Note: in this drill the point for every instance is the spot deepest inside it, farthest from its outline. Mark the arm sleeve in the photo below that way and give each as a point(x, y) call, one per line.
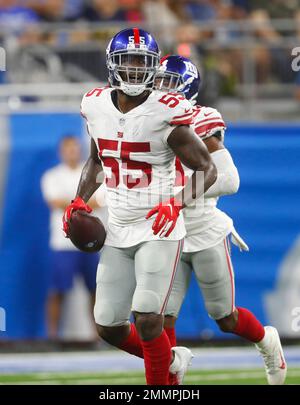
point(228, 180)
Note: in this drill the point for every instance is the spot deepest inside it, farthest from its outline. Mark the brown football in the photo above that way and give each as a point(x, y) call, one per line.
point(86, 232)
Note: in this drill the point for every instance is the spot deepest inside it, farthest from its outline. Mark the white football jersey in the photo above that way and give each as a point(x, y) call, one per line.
point(137, 161)
point(206, 225)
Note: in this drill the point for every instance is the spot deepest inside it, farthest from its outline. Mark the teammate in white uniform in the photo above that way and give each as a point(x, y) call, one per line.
point(136, 133)
point(206, 247)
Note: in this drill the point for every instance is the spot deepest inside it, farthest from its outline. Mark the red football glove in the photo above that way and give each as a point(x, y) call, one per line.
point(167, 214)
point(77, 204)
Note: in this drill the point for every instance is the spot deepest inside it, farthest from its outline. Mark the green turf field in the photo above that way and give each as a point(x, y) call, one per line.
point(194, 377)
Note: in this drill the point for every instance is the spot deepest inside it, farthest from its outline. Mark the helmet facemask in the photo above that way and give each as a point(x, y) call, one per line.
point(167, 81)
point(132, 71)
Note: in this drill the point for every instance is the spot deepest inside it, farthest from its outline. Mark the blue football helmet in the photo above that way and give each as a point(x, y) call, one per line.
point(132, 59)
point(178, 74)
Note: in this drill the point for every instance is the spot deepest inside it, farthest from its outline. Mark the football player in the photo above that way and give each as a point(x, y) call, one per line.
point(206, 246)
point(135, 135)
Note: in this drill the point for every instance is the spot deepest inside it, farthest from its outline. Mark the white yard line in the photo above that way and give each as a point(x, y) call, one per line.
point(114, 361)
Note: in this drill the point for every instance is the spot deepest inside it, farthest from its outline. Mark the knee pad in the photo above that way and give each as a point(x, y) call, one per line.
point(106, 315)
point(146, 301)
point(217, 310)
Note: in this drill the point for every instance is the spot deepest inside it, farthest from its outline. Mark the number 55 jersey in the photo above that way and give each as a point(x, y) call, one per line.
point(139, 165)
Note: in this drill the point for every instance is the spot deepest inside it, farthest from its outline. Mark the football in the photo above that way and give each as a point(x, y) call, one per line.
point(86, 232)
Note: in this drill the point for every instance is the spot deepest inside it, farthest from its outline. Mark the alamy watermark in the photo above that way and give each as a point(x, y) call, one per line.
point(296, 319)
point(139, 186)
point(2, 60)
point(2, 320)
point(296, 60)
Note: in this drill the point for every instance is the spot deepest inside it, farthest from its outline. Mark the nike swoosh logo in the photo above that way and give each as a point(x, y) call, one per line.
point(207, 114)
point(187, 110)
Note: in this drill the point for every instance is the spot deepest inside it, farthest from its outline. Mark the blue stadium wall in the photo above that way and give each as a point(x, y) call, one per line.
point(266, 213)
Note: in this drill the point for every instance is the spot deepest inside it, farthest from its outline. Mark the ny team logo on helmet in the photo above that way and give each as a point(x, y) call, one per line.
point(178, 74)
point(132, 59)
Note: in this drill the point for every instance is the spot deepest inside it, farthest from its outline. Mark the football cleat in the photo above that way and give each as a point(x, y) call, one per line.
point(272, 354)
point(183, 359)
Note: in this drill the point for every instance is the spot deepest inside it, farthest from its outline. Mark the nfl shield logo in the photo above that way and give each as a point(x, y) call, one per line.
point(120, 134)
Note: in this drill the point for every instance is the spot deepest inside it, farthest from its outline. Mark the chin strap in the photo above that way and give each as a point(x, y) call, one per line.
point(132, 89)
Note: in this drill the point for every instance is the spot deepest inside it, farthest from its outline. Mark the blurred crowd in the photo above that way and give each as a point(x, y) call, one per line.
point(138, 11)
point(206, 30)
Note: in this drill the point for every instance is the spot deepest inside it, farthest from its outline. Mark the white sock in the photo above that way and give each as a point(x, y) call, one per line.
point(265, 341)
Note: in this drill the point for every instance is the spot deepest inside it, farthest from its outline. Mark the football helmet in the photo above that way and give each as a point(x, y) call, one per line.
point(178, 74)
point(132, 59)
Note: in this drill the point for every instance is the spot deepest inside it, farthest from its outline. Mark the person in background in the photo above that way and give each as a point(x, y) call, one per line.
point(16, 16)
point(132, 10)
point(58, 185)
point(104, 11)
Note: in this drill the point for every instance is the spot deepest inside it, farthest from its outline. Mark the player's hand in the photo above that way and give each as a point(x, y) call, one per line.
point(77, 204)
point(167, 214)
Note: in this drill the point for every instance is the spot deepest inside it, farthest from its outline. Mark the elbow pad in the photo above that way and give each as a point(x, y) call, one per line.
point(228, 180)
